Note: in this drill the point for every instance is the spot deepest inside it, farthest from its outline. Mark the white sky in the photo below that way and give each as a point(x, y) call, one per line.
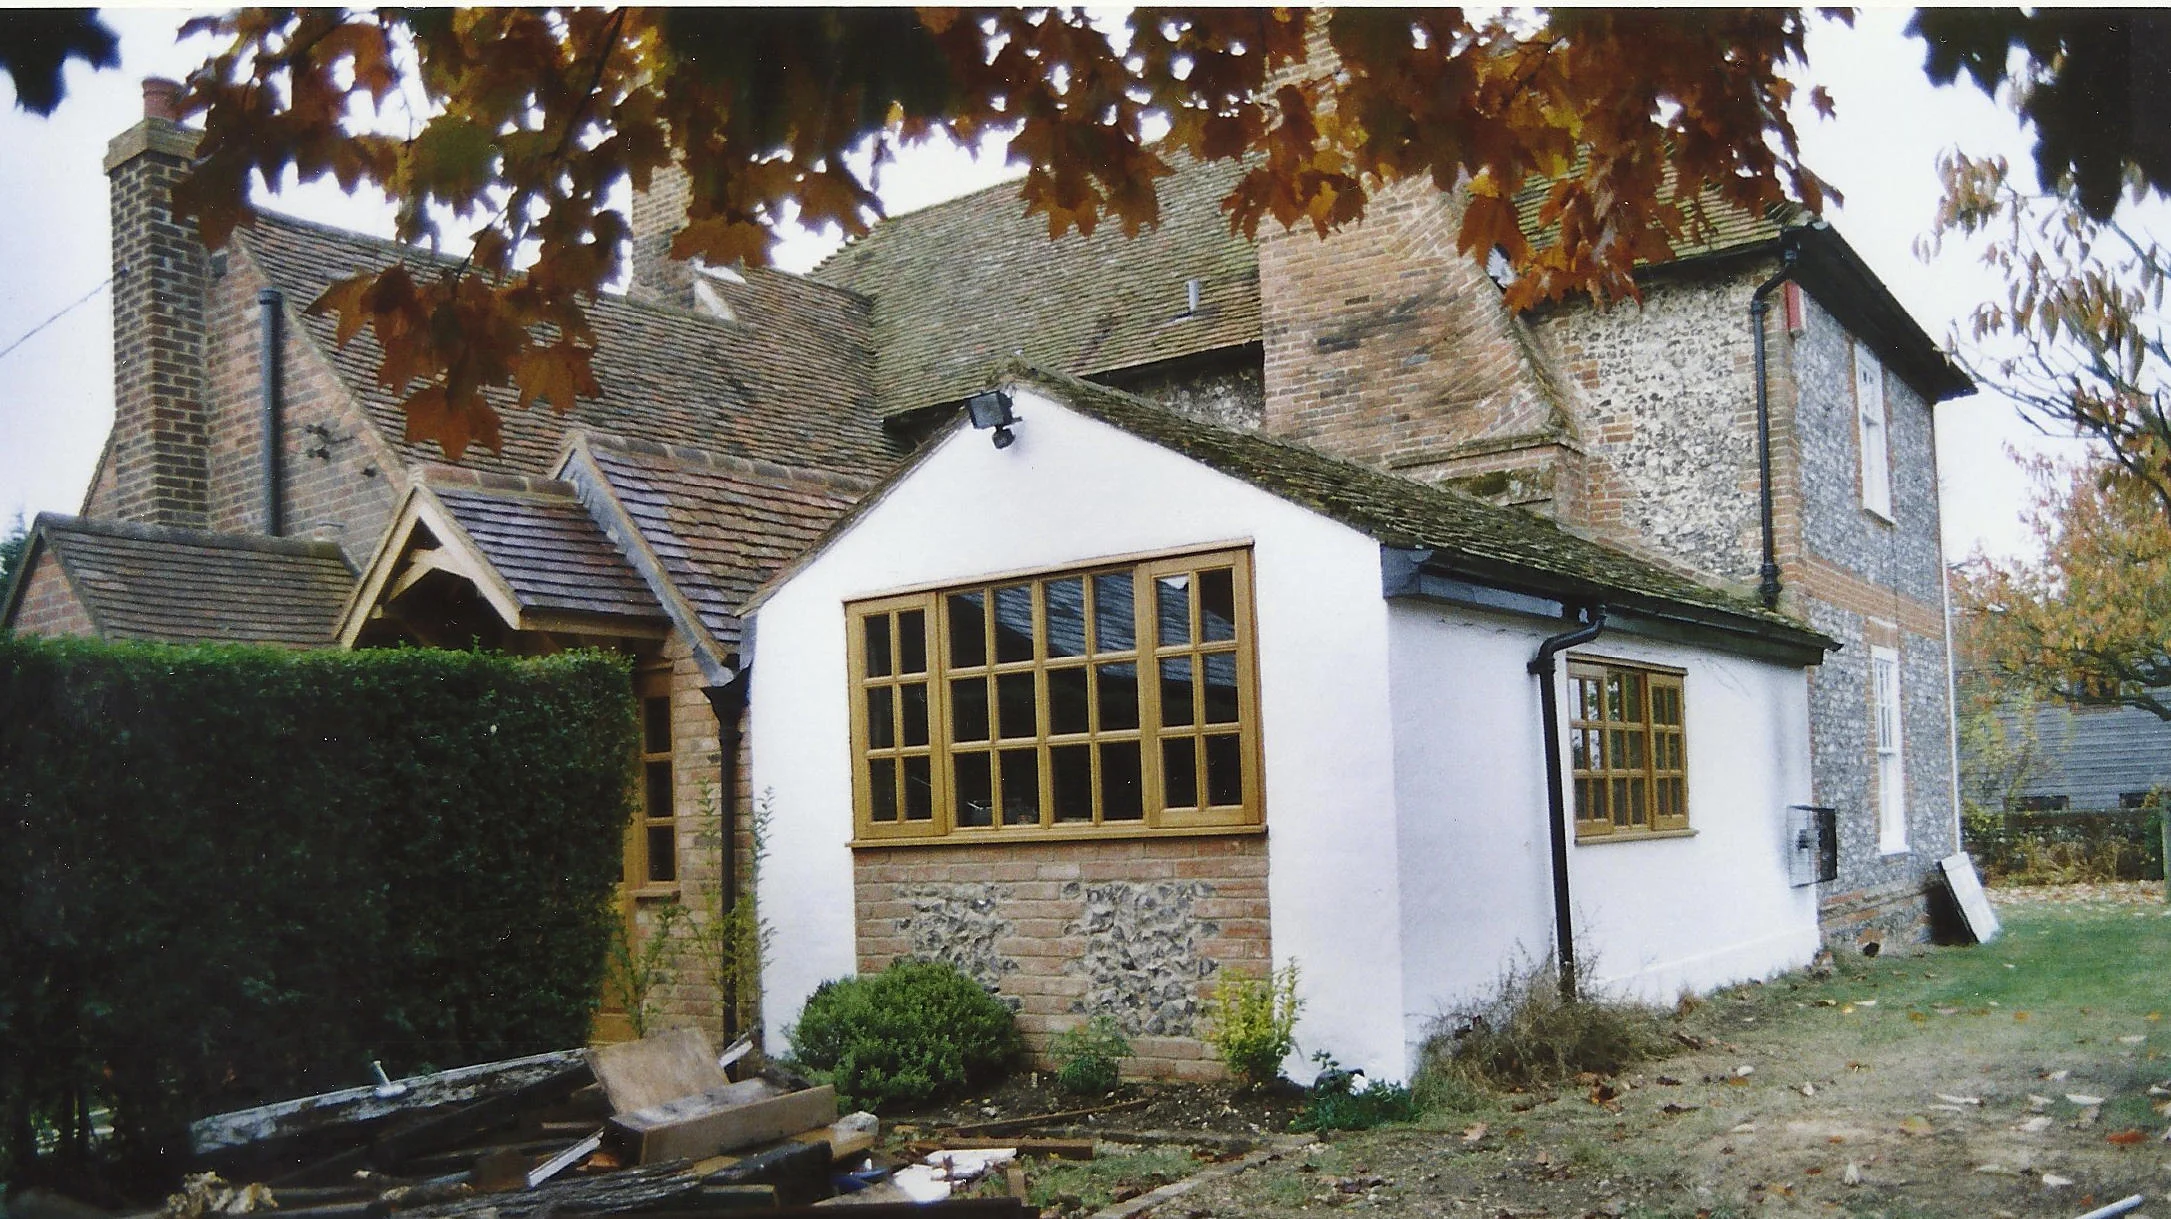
point(56, 398)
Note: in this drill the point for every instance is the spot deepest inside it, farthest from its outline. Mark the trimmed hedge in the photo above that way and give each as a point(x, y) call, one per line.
point(916, 1031)
point(2078, 844)
point(236, 874)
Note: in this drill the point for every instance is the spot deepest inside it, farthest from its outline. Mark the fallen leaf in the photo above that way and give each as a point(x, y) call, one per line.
point(1809, 1089)
point(1671, 1107)
point(2082, 1098)
point(1995, 1170)
point(1918, 1017)
point(2127, 1138)
point(1852, 1175)
point(2088, 1116)
point(1744, 1071)
point(1472, 1134)
point(2133, 1039)
point(1865, 1003)
point(1669, 1081)
point(1744, 1128)
point(1946, 1011)
point(2018, 1017)
point(1847, 1010)
point(1916, 1126)
point(2034, 1125)
point(2053, 1076)
point(2052, 1180)
point(1959, 1100)
point(2038, 1102)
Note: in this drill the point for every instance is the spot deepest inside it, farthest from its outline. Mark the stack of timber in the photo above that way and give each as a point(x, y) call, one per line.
point(656, 1127)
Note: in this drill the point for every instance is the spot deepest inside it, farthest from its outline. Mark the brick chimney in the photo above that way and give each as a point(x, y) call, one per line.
point(658, 214)
point(160, 453)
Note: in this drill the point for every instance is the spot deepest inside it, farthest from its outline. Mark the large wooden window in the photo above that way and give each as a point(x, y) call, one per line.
point(1111, 700)
point(1627, 745)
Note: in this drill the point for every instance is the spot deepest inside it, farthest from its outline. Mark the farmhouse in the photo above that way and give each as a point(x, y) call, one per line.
point(1312, 606)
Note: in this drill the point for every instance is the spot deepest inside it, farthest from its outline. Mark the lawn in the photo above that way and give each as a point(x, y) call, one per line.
point(2009, 1079)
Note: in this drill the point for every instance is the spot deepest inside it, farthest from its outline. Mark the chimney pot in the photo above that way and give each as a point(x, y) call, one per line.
point(162, 99)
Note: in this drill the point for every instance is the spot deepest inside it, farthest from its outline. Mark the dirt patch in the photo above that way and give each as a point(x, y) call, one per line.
point(1221, 1109)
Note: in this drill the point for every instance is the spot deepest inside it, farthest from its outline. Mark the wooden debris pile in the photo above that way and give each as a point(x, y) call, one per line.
point(655, 1126)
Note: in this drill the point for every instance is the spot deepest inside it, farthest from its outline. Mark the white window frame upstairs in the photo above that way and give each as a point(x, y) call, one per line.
point(1873, 427)
point(1888, 742)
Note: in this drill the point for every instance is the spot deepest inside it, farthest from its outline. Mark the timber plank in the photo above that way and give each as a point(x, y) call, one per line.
point(692, 1127)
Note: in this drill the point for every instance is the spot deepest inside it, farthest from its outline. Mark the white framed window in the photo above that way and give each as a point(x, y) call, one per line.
point(1884, 665)
point(1869, 404)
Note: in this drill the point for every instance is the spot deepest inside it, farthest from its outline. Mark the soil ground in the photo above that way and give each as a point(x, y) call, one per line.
point(2027, 1077)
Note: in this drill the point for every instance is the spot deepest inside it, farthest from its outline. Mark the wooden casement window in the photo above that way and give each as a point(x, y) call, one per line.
point(652, 843)
point(1627, 745)
point(1016, 708)
point(1874, 428)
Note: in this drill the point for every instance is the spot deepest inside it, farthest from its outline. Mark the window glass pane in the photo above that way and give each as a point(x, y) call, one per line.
point(968, 631)
point(1224, 770)
point(969, 708)
point(1014, 703)
point(656, 725)
point(657, 800)
point(912, 642)
point(662, 853)
point(1176, 691)
point(1122, 792)
point(1021, 786)
point(881, 722)
point(1635, 802)
point(882, 789)
point(1585, 809)
point(1616, 697)
point(1115, 624)
point(1067, 710)
point(1179, 772)
point(878, 645)
point(1118, 696)
point(1619, 801)
point(1217, 604)
point(1066, 616)
point(1172, 596)
point(974, 793)
point(919, 789)
point(1070, 770)
point(1633, 758)
point(1014, 623)
point(1221, 688)
point(915, 712)
point(1579, 750)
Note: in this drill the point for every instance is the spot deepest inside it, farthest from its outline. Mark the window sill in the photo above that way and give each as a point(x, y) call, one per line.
point(1888, 852)
point(1645, 836)
point(654, 893)
point(1879, 517)
point(1027, 838)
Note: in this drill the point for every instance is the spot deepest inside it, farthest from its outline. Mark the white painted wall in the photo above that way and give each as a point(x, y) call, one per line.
point(1651, 917)
point(1072, 490)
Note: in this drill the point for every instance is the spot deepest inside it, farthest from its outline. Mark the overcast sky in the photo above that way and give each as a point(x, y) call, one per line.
point(56, 398)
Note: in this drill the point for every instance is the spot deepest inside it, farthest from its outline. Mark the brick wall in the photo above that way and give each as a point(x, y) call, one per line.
point(1134, 928)
point(159, 272)
point(339, 481)
point(48, 605)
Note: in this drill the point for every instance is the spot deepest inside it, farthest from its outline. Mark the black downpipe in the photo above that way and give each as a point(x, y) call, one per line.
point(271, 304)
point(1541, 666)
point(729, 704)
point(1767, 587)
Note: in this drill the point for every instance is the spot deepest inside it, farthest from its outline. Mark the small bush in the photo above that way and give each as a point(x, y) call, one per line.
point(1335, 1103)
point(1526, 1035)
point(1087, 1055)
point(910, 1033)
point(1252, 1023)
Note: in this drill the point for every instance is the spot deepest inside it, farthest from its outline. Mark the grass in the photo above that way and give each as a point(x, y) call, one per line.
point(1085, 1186)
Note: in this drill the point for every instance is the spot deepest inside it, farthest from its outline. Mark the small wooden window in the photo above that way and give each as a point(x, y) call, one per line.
point(1102, 701)
point(652, 847)
point(1627, 745)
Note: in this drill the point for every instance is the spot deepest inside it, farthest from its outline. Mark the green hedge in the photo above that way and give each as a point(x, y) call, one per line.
point(2066, 845)
point(237, 874)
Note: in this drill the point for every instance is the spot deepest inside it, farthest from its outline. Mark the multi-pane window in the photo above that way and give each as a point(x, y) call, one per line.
point(1869, 402)
point(1100, 701)
point(652, 852)
point(1626, 744)
point(1884, 664)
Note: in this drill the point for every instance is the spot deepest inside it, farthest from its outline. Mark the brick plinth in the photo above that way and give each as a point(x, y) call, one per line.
point(1135, 928)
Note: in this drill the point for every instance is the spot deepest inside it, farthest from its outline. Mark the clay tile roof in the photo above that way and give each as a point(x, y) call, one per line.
point(974, 279)
point(1731, 228)
point(787, 382)
point(1506, 547)
point(718, 526)
point(549, 550)
point(151, 582)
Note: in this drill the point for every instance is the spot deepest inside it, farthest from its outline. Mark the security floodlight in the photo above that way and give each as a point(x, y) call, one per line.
point(992, 410)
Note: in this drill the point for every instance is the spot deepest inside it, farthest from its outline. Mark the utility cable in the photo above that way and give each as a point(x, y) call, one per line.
point(79, 303)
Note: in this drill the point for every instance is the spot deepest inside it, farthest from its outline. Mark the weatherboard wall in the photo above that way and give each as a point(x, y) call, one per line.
point(1072, 491)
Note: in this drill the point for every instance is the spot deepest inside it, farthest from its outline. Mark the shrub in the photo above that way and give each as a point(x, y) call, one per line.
point(908, 1034)
point(235, 875)
point(1526, 1035)
point(1252, 1023)
point(1087, 1055)
point(1335, 1103)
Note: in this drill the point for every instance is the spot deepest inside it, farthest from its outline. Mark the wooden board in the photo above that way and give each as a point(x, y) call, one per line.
point(646, 1073)
point(695, 1127)
point(417, 1093)
point(844, 1140)
point(1967, 893)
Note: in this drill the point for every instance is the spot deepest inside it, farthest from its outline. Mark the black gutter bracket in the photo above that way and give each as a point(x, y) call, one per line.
point(1541, 667)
